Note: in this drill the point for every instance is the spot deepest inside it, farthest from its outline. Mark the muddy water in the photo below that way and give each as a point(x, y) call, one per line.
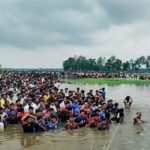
point(119, 137)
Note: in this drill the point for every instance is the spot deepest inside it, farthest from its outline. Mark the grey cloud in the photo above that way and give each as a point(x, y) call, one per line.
point(126, 11)
point(33, 23)
point(37, 23)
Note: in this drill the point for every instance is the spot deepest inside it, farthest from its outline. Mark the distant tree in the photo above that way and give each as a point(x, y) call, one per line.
point(1, 68)
point(92, 64)
point(111, 64)
point(126, 66)
point(142, 60)
point(101, 61)
point(148, 62)
point(70, 64)
point(132, 65)
point(118, 64)
point(81, 63)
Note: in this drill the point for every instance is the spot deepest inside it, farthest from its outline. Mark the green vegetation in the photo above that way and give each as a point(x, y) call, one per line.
point(105, 81)
point(112, 64)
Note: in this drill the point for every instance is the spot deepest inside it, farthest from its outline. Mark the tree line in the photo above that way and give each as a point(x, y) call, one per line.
point(112, 64)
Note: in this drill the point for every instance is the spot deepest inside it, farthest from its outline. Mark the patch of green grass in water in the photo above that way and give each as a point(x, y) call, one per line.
point(106, 81)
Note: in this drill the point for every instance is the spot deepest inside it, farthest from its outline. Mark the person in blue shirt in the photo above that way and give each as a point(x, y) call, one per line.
point(81, 119)
point(103, 92)
point(53, 123)
point(75, 107)
point(101, 115)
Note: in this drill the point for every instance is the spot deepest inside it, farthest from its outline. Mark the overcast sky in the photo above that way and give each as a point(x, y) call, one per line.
point(43, 33)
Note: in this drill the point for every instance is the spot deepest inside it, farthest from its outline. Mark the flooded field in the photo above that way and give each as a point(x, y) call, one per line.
point(120, 136)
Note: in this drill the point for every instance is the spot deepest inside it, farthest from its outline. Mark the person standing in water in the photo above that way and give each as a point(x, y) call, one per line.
point(138, 118)
point(103, 93)
point(128, 102)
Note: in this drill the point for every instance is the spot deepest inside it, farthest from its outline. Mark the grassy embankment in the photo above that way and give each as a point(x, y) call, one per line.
point(105, 81)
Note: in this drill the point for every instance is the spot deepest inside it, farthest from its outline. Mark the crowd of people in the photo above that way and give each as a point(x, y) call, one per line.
point(92, 74)
point(99, 74)
point(36, 102)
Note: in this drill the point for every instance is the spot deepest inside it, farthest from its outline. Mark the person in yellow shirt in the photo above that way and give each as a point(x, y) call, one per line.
point(46, 97)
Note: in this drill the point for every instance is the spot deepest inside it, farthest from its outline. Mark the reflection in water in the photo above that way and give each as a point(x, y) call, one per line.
point(125, 138)
point(28, 140)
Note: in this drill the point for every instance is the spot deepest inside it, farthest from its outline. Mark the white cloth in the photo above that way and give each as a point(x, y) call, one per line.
point(54, 107)
point(26, 108)
point(62, 104)
point(1, 126)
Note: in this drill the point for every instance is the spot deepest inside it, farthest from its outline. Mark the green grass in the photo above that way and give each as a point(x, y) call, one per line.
point(105, 81)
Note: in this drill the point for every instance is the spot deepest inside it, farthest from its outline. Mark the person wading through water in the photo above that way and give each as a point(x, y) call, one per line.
point(128, 102)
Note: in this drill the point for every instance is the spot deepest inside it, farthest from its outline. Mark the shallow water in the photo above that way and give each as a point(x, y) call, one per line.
point(120, 137)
